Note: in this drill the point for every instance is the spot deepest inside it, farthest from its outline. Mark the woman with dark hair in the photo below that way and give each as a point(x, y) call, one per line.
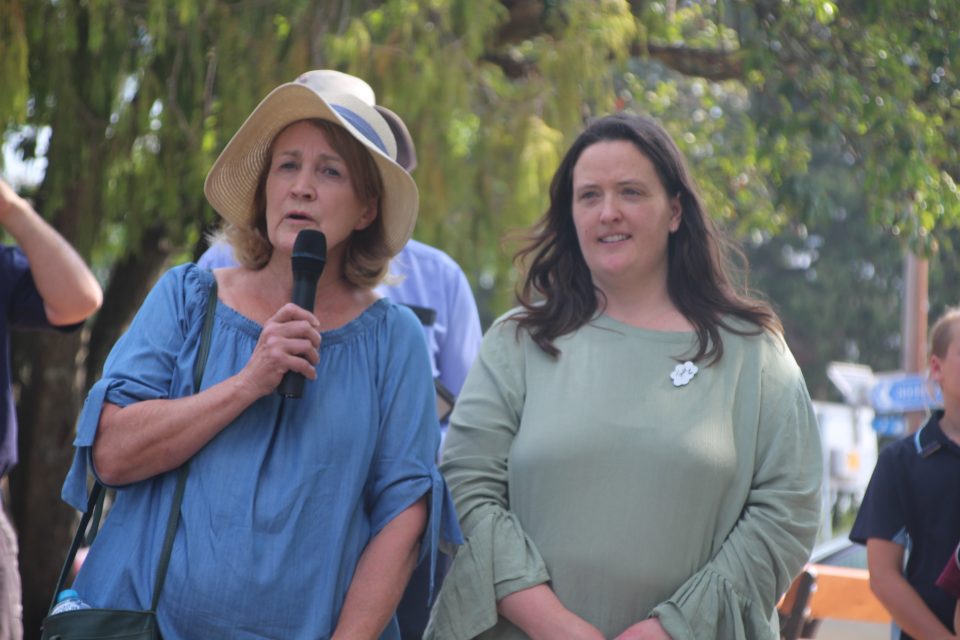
point(634, 454)
point(302, 516)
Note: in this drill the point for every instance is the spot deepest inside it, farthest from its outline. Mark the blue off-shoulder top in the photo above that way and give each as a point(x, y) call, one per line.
point(280, 505)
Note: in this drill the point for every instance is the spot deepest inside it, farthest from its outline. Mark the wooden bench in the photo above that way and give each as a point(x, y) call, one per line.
point(822, 592)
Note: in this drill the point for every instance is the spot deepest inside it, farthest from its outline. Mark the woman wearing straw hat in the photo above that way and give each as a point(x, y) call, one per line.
point(302, 517)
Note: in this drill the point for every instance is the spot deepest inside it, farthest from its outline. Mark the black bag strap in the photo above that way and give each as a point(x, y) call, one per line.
point(96, 496)
point(204, 349)
point(172, 521)
point(198, 366)
point(95, 502)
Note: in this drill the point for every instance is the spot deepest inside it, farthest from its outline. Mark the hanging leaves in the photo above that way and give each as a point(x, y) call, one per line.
point(142, 96)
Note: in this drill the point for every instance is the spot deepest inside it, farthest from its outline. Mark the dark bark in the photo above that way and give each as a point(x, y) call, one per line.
point(49, 370)
point(53, 387)
point(712, 64)
point(526, 20)
point(132, 278)
point(514, 67)
point(47, 412)
point(530, 18)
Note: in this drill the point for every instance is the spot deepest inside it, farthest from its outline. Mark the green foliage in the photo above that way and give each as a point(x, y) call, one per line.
point(142, 96)
point(876, 84)
point(840, 130)
point(825, 135)
point(13, 64)
point(487, 144)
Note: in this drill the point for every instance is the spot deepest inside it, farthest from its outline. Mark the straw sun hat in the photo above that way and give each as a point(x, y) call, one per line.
point(328, 95)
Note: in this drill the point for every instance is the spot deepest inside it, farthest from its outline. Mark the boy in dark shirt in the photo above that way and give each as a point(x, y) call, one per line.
point(909, 509)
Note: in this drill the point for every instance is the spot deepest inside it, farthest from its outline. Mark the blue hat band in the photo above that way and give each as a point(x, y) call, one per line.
point(362, 126)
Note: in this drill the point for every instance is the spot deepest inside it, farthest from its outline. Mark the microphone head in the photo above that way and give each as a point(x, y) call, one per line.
point(310, 252)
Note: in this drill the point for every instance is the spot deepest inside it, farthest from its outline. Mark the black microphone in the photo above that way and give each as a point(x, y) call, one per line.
point(309, 258)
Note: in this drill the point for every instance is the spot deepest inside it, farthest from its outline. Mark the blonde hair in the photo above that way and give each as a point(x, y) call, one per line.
point(942, 332)
point(367, 257)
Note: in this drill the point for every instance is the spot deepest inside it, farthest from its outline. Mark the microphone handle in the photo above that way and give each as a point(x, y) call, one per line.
point(304, 294)
point(304, 290)
point(292, 385)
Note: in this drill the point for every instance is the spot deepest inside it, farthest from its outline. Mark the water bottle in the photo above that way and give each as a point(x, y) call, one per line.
point(69, 600)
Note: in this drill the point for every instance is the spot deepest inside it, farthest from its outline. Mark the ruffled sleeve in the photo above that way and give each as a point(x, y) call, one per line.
point(405, 463)
point(734, 595)
point(143, 363)
point(498, 558)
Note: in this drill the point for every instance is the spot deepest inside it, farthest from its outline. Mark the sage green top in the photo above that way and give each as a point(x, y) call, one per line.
point(631, 496)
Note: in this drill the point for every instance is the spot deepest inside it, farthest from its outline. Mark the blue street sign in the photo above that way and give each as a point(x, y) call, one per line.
point(903, 392)
point(890, 425)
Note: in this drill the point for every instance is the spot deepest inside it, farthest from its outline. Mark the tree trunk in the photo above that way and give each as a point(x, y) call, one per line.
point(131, 280)
point(46, 411)
point(54, 386)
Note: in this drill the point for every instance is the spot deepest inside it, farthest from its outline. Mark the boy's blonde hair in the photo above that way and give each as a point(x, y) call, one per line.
point(942, 332)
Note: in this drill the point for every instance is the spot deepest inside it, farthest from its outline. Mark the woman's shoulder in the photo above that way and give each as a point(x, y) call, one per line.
point(510, 317)
point(181, 295)
point(189, 275)
point(507, 327)
point(751, 336)
point(184, 286)
point(391, 325)
point(746, 341)
point(395, 316)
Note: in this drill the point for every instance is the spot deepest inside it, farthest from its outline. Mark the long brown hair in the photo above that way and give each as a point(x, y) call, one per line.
point(558, 295)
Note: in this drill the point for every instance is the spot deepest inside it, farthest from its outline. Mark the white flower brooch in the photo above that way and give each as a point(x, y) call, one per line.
point(683, 373)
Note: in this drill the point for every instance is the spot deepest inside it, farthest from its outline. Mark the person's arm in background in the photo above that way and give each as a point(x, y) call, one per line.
point(885, 562)
point(69, 290)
